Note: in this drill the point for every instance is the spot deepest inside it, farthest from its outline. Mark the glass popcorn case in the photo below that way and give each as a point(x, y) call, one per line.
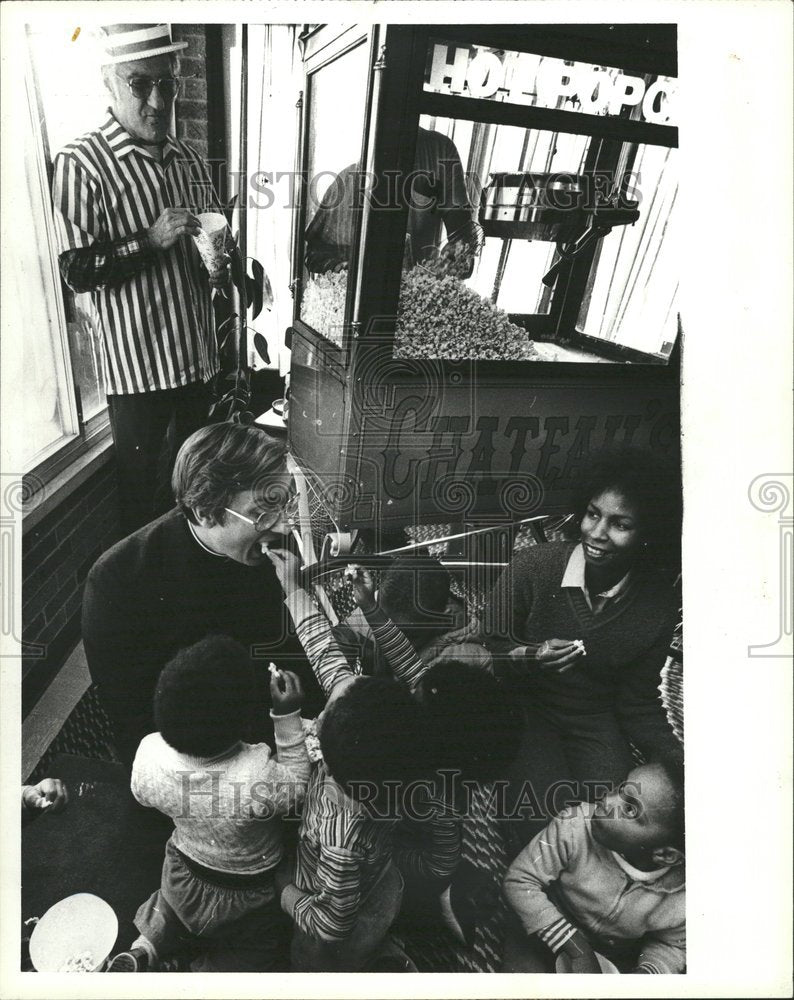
point(484, 266)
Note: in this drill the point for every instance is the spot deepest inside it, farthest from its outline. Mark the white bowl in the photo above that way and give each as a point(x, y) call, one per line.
point(74, 926)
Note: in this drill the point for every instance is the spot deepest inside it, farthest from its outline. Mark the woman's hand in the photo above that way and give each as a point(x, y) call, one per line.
point(363, 587)
point(287, 567)
point(559, 655)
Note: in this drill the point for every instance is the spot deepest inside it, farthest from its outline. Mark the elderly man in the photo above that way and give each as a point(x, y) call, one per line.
point(202, 568)
point(125, 200)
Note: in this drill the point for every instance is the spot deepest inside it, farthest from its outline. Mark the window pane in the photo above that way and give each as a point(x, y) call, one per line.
point(631, 297)
point(335, 134)
point(35, 358)
point(86, 342)
point(73, 101)
point(68, 74)
point(502, 265)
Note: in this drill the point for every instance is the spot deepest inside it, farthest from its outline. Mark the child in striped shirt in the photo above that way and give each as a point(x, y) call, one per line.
point(347, 884)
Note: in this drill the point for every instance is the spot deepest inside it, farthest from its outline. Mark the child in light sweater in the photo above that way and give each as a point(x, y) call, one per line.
point(226, 798)
point(605, 879)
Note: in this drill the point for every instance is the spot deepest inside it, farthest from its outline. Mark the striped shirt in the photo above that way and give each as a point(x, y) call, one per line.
point(342, 850)
point(155, 310)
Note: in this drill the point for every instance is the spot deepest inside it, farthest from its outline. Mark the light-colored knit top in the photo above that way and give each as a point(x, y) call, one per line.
point(227, 809)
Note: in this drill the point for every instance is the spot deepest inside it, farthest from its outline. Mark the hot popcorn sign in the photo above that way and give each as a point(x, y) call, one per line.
point(524, 78)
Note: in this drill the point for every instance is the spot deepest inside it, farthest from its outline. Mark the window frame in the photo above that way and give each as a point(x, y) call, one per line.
point(559, 325)
point(50, 478)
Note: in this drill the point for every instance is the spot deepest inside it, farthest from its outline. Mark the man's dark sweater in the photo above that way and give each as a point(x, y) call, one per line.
point(626, 644)
point(158, 591)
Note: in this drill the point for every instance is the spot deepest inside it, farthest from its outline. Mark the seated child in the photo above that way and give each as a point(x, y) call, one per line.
point(605, 879)
point(415, 595)
point(469, 727)
point(345, 890)
point(226, 798)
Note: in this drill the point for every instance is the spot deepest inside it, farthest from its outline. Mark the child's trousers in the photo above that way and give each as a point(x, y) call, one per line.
point(234, 922)
point(378, 912)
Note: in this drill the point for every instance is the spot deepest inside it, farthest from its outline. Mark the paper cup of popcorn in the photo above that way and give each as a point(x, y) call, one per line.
point(211, 241)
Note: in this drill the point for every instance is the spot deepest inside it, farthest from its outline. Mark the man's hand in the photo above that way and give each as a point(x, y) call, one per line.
point(285, 691)
point(558, 655)
point(172, 224)
point(363, 587)
point(50, 794)
point(287, 569)
point(220, 278)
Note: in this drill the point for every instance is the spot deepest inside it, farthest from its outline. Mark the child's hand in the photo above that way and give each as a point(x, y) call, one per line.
point(284, 874)
point(363, 587)
point(559, 655)
point(285, 691)
point(49, 794)
point(287, 567)
point(578, 956)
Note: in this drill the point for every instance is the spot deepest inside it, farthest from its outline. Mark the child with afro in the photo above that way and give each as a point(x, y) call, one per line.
point(605, 881)
point(415, 594)
point(226, 797)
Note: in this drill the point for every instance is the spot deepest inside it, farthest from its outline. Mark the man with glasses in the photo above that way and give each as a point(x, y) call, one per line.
point(126, 197)
point(202, 568)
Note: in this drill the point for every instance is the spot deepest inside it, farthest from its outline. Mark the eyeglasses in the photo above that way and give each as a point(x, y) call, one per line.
point(288, 513)
point(142, 86)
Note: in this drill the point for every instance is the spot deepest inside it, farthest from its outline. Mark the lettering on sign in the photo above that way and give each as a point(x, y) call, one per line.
point(419, 454)
point(544, 82)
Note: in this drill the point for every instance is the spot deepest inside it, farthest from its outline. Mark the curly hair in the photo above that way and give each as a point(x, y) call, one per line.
point(414, 592)
point(223, 459)
point(647, 481)
point(204, 697)
point(371, 735)
point(475, 725)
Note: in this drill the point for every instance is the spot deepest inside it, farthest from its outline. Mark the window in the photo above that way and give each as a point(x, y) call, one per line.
point(574, 260)
point(336, 110)
point(51, 350)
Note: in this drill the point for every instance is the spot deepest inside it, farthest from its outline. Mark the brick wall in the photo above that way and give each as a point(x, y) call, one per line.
point(191, 104)
point(56, 556)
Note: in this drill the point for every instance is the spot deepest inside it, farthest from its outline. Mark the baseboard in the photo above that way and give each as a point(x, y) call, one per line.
point(47, 717)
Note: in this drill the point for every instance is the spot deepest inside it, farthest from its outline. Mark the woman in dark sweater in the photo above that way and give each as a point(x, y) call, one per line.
point(584, 630)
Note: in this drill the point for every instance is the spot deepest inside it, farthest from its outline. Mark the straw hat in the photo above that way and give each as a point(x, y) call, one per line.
point(129, 42)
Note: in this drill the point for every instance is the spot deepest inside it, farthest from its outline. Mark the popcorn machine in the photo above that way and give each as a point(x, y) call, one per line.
point(483, 272)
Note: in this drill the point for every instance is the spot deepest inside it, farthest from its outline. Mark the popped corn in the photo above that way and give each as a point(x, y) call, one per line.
point(323, 304)
point(443, 318)
point(84, 962)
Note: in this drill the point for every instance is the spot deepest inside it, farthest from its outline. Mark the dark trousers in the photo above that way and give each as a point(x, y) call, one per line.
point(240, 929)
point(562, 758)
point(148, 429)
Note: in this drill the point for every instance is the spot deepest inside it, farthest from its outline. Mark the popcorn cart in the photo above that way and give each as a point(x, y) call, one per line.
point(483, 271)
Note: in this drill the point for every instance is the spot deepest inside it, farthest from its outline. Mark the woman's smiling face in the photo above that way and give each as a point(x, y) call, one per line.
point(610, 532)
